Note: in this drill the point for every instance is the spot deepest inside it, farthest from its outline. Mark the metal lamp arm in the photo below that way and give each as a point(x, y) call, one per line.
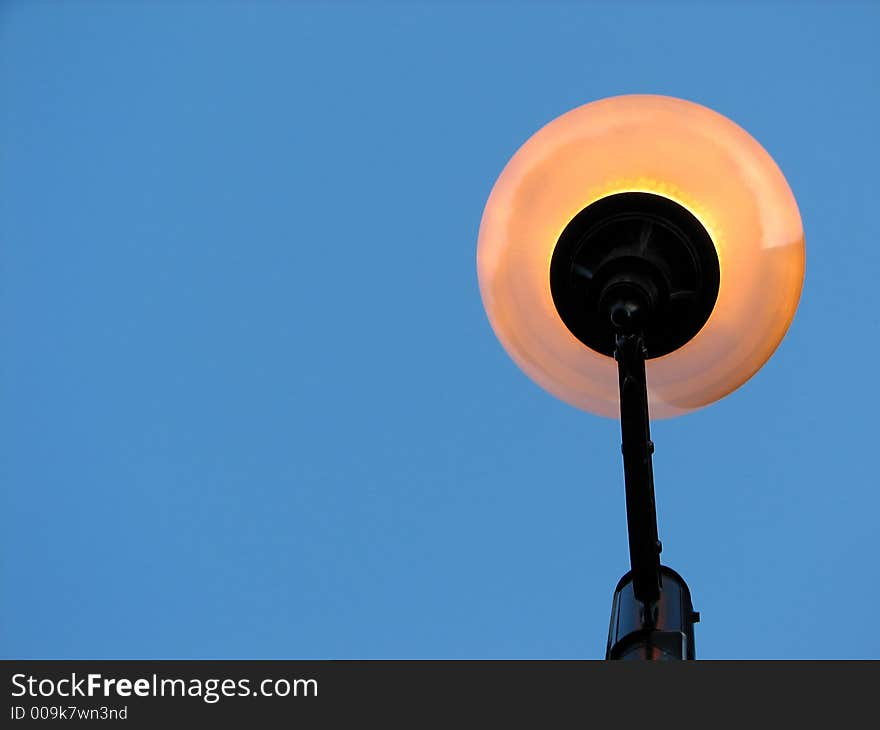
point(641, 513)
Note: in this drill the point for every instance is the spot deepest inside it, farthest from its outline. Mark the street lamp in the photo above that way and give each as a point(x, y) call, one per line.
point(656, 233)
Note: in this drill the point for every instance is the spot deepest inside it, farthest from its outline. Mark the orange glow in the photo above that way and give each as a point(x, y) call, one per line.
point(669, 147)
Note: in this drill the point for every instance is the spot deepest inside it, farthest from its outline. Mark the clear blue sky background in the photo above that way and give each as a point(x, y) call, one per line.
point(250, 404)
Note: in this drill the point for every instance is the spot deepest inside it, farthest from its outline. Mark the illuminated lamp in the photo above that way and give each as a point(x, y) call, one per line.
point(658, 233)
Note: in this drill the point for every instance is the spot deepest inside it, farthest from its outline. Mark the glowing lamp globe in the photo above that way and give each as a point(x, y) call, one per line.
point(665, 189)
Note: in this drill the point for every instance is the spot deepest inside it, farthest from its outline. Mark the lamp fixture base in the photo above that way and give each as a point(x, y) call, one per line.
point(642, 248)
point(663, 631)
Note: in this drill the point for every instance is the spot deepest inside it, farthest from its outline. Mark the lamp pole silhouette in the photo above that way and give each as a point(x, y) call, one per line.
point(641, 254)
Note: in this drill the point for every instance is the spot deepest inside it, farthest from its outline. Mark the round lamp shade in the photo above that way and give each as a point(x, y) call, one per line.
point(671, 148)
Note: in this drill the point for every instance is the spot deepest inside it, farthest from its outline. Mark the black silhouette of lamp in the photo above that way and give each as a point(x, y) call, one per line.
point(656, 233)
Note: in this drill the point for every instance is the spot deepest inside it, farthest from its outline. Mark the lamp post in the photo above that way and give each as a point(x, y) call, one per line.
point(641, 255)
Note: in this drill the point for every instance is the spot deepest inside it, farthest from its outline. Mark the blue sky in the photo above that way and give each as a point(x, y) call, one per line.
point(250, 404)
